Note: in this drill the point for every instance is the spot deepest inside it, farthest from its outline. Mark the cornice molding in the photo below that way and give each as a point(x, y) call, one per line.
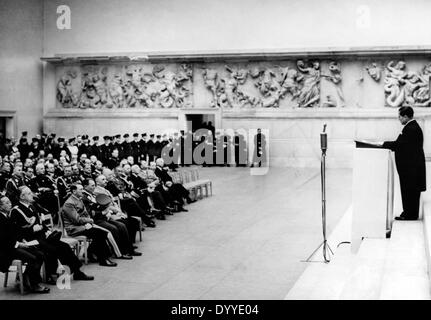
point(239, 55)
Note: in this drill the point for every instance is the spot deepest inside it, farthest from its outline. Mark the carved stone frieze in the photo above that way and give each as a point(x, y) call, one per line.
point(131, 86)
point(407, 88)
point(244, 85)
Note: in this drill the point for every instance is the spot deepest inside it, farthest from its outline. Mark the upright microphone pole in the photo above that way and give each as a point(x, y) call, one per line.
point(325, 246)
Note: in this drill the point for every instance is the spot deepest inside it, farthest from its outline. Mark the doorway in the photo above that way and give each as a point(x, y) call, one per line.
point(3, 127)
point(200, 121)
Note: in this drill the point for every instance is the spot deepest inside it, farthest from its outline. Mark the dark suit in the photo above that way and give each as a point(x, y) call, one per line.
point(94, 150)
point(410, 162)
point(84, 149)
point(176, 191)
point(12, 188)
point(53, 249)
point(136, 150)
point(126, 148)
point(32, 256)
point(143, 149)
point(259, 149)
point(47, 199)
point(105, 152)
point(151, 151)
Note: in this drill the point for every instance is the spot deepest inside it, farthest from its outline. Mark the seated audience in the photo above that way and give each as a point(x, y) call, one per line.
point(101, 191)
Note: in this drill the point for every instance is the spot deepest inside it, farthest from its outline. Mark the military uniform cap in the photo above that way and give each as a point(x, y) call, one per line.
point(126, 135)
point(103, 199)
point(136, 134)
point(95, 138)
point(144, 134)
point(118, 136)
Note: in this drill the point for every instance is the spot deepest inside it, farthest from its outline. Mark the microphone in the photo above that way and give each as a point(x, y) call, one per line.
point(324, 139)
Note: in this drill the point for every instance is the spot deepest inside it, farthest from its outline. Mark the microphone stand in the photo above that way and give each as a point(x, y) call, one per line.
point(325, 246)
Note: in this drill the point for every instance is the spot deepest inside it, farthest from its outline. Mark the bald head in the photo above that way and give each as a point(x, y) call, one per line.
point(108, 174)
point(160, 162)
point(101, 181)
point(136, 169)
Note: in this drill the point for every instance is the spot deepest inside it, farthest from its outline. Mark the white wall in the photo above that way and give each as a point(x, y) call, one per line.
point(21, 28)
point(207, 25)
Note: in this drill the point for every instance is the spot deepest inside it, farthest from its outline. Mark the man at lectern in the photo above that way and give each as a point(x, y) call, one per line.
point(410, 162)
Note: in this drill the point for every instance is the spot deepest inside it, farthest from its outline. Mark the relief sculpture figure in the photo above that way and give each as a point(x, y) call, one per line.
point(91, 87)
point(422, 95)
point(210, 80)
point(116, 92)
point(289, 83)
point(310, 92)
point(394, 83)
point(374, 71)
point(65, 94)
point(235, 97)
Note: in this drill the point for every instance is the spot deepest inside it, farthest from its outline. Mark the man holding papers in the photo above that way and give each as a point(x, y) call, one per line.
point(410, 162)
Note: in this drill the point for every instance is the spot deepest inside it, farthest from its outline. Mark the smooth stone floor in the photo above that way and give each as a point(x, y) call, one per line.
point(245, 242)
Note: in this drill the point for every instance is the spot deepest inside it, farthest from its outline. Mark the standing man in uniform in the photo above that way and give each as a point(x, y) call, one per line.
point(125, 146)
point(150, 148)
point(410, 162)
point(135, 146)
point(117, 145)
point(143, 147)
point(105, 149)
point(94, 148)
point(259, 148)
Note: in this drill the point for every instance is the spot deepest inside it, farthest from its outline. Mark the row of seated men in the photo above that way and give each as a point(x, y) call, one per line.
point(105, 205)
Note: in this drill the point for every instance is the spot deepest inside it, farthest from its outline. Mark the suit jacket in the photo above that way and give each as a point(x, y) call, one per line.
point(20, 215)
point(151, 148)
point(409, 156)
point(139, 184)
point(94, 150)
point(126, 148)
point(75, 216)
point(12, 188)
point(143, 149)
point(105, 152)
point(162, 174)
point(8, 239)
point(135, 149)
point(84, 148)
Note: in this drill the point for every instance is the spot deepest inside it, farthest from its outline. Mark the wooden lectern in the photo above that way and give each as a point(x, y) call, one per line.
point(374, 184)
